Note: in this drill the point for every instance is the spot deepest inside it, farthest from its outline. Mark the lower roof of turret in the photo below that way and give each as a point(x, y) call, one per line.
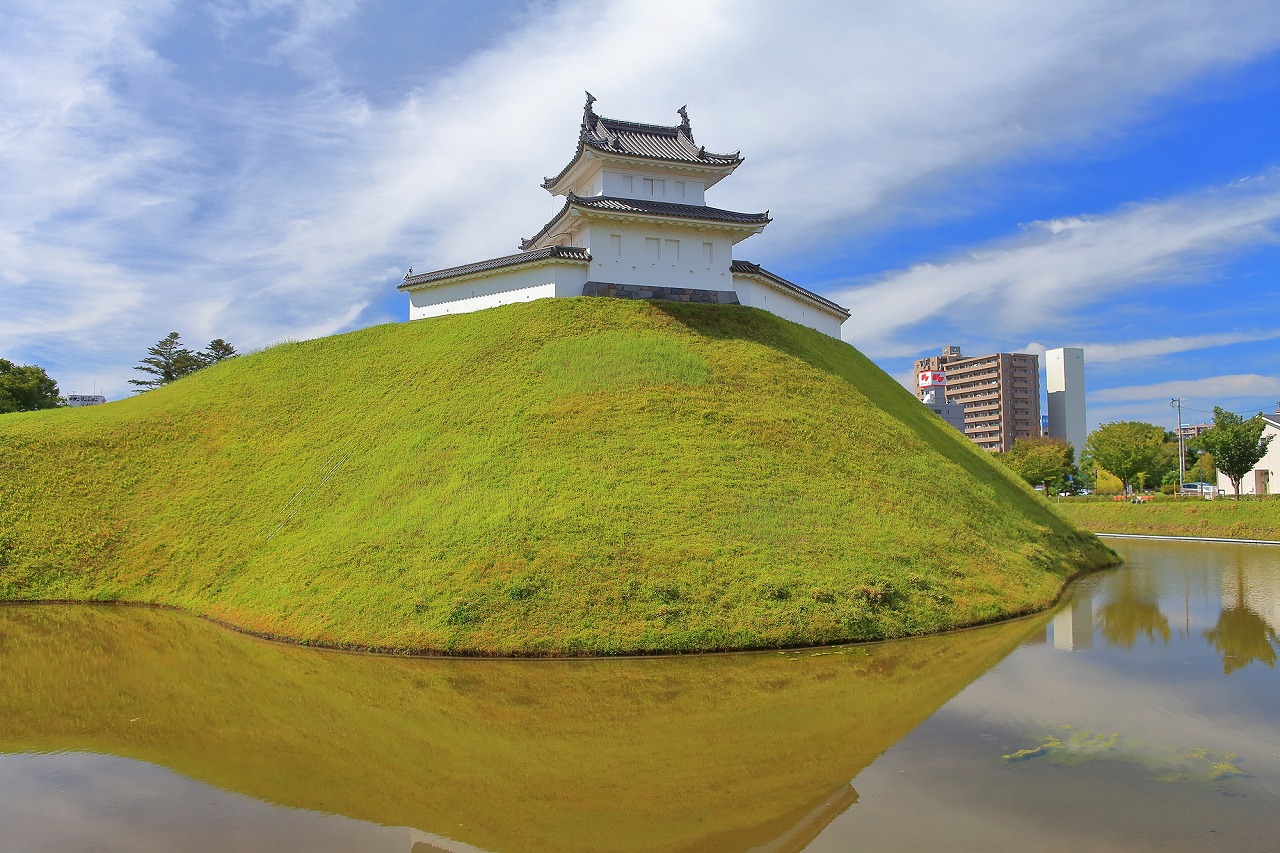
point(549, 253)
point(647, 207)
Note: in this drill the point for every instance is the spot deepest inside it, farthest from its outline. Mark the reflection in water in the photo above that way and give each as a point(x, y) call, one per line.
point(716, 752)
point(1242, 635)
point(1073, 623)
point(1134, 745)
point(139, 730)
point(1132, 609)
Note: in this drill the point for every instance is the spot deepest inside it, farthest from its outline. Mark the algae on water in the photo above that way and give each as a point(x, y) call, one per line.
point(1073, 746)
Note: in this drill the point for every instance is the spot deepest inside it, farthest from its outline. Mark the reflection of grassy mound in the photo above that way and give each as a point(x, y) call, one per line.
point(717, 752)
point(564, 476)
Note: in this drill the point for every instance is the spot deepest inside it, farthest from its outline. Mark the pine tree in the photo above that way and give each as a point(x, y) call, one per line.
point(218, 350)
point(167, 360)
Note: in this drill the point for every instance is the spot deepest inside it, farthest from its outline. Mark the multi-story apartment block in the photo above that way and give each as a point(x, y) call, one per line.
point(1000, 394)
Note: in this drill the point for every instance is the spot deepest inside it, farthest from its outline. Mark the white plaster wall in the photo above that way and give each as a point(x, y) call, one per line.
point(1270, 463)
point(519, 285)
point(757, 295)
point(664, 188)
point(630, 260)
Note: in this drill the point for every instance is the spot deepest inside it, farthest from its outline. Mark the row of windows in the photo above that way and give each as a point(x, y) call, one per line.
point(654, 187)
point(656, 249)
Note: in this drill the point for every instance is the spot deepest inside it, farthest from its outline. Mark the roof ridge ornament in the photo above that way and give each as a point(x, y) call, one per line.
point(589, 114)
point(683, 112)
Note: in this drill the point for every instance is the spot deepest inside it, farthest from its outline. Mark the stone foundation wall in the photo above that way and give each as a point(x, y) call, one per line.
point(644, 291)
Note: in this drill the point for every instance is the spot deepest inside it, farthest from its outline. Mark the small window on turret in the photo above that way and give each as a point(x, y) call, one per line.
point(615, 245)
point(673, 250)
point(708, 255)
point(651, 251)
point(628, 184)
point(677, 189)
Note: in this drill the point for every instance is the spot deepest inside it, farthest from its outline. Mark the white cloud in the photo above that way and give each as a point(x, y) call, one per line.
point(1056, 268)
point(146, 205)
point(1100, 353)
point(1217, 389)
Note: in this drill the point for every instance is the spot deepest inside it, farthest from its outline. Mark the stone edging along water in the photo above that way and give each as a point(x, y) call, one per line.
point(1186, 538)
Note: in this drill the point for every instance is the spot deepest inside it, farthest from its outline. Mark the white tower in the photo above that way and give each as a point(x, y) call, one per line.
point(1064, 382)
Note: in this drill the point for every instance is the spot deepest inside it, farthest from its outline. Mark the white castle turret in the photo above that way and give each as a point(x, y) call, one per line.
point(635, 224)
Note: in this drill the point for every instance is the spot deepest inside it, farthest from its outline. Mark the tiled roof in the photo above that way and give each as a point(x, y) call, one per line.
point(645, 207)
point(666, 208)
point(748, 268)
point(565, 253)
point(652, 141)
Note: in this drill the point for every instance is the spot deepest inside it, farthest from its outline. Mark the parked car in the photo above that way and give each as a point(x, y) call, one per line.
point(1199, 489)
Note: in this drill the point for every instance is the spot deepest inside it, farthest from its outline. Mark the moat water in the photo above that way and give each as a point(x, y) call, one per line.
point(1144, 714)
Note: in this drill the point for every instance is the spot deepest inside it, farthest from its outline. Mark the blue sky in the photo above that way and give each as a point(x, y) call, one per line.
point(998, 175)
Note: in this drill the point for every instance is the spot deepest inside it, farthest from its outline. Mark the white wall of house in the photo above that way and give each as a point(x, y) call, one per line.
point(758, 295)
point(501, 288)
point(660, 256)
point(1264, 479)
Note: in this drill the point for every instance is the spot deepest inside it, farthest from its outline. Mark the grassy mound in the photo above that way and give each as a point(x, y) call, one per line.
point(557, 477)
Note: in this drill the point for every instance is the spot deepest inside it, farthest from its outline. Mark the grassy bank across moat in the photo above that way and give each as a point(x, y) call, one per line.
point(1248, 518)
point(561, 477)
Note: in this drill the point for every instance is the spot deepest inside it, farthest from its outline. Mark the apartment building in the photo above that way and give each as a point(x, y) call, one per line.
point(1000, 394)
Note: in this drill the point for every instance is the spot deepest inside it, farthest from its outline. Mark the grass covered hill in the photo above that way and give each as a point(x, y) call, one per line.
point(557, 477)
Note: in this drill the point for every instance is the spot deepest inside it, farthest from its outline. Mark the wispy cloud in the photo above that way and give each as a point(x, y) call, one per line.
point(1059, 268)
point(136, 204)
point(1219, 389)
point(1127, 351)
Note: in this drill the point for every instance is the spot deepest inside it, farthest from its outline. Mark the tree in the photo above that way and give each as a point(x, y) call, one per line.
point(26, 388)
point(218, 350)
point(1203, 471)
point(1047, 461)
point(1236, 444)
point(168, 360)
point(1131, 450)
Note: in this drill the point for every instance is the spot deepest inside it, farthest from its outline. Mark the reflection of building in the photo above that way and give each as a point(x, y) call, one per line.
point(1064, 385)
point(1073, 624)
point(1257, 591)
point(1000, 394)
point(1264, 479)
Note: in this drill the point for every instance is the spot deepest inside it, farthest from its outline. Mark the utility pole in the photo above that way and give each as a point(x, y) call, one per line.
point(1176, 404)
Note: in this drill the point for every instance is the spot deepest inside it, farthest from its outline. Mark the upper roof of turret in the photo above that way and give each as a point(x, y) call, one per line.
point(628, 139)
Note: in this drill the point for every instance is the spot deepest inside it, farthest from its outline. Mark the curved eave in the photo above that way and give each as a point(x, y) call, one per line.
point(574, 210)
point(496, 266)
point(563, 182)
point(746, 269)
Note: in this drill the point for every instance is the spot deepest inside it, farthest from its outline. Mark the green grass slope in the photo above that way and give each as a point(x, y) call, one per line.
point(557, 477)
point(1249, 518)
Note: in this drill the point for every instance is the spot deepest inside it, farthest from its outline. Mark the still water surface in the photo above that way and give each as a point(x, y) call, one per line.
point(1143, 714)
